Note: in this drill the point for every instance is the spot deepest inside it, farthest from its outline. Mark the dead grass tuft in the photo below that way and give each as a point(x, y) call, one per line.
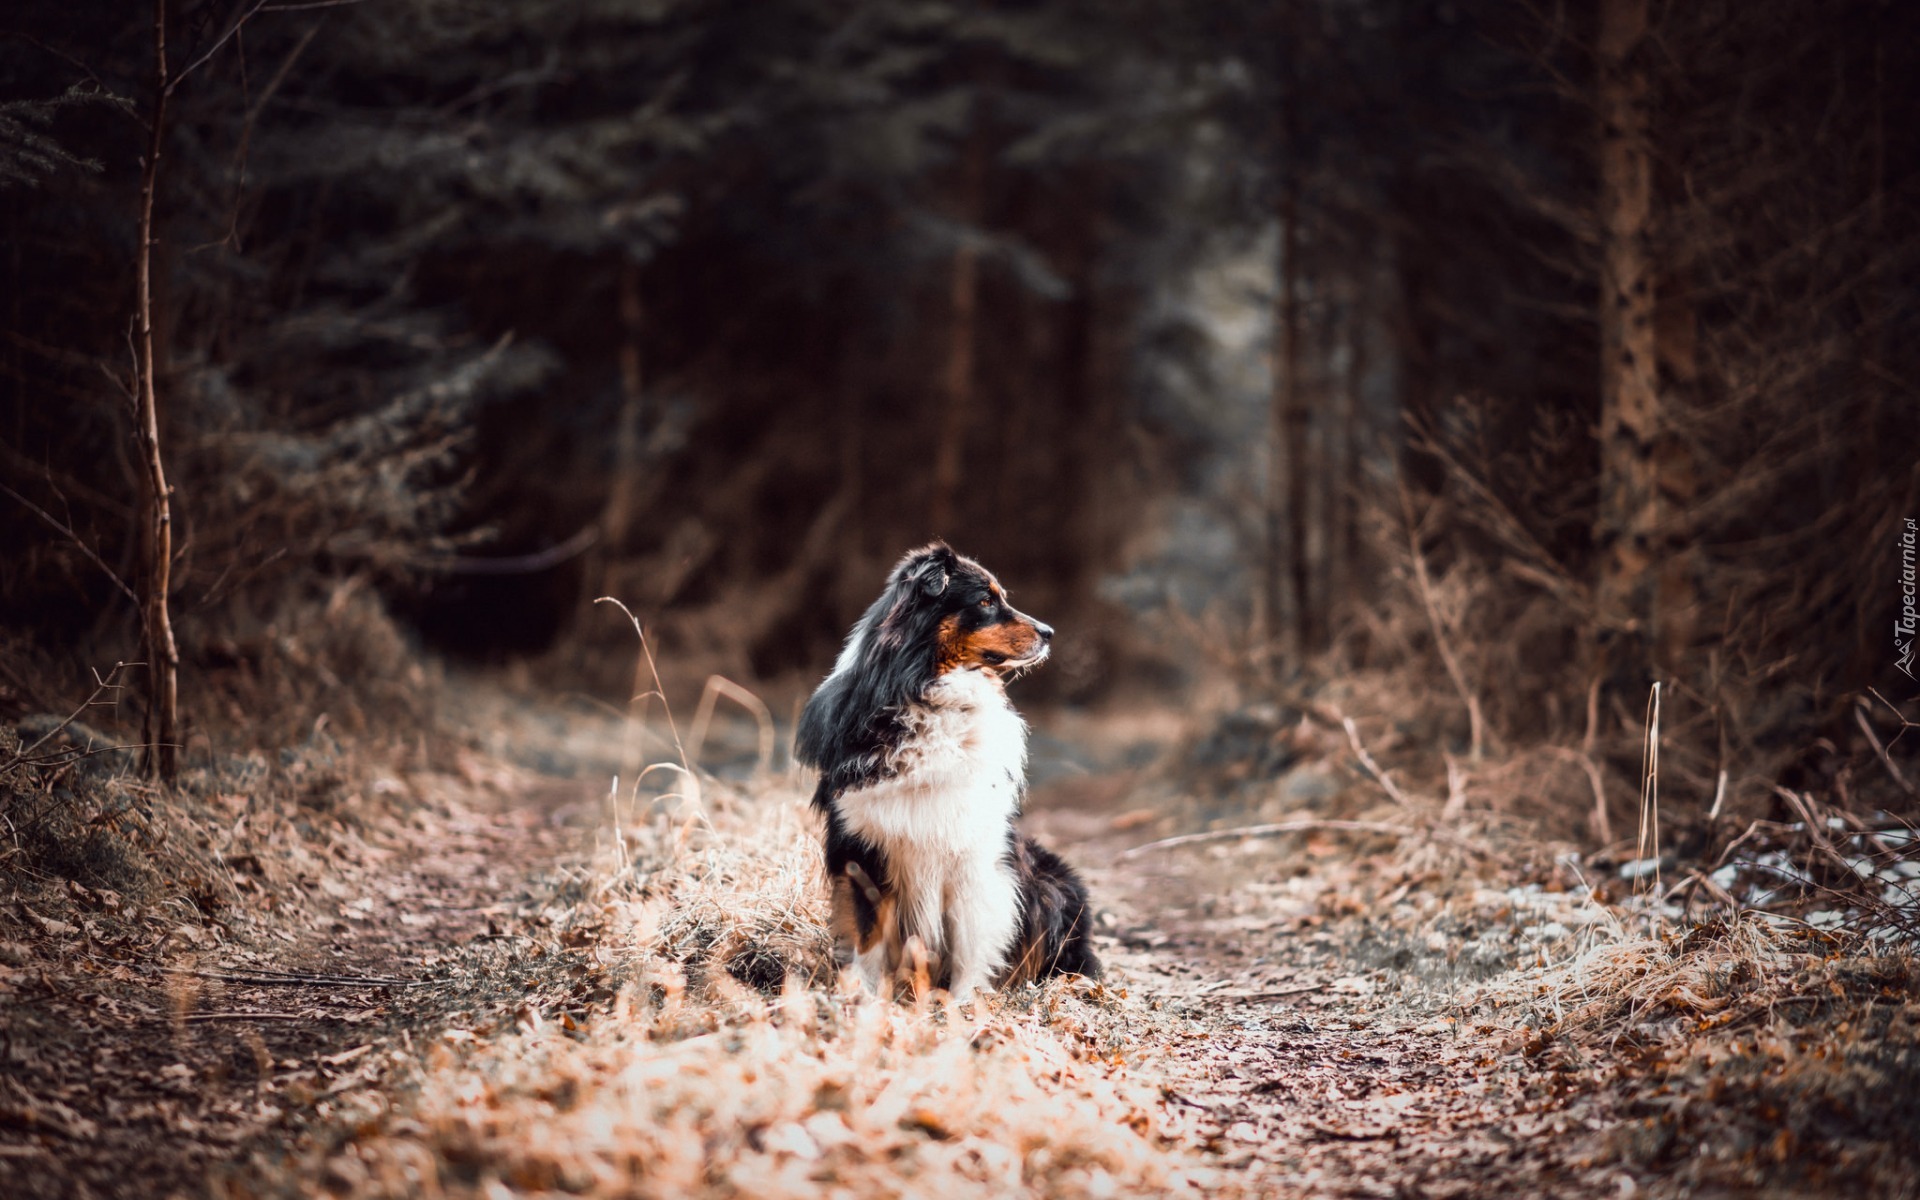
point(806, 1094)
point(728, 1060)
point(750, 904)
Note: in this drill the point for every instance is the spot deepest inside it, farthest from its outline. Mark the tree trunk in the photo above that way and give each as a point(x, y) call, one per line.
point(1674, 616)
point(1343, 458)
point(1087, 417)
point(1290, 619)
point(163, 657)
point(963, 302)
point(1630, 416)
point(626, 434)
point(616, 515)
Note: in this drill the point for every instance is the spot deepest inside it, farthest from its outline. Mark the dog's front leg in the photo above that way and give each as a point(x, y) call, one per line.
point(866, 925)
point(983, 917)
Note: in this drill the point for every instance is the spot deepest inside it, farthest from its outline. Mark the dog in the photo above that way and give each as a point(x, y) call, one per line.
point(922, 764)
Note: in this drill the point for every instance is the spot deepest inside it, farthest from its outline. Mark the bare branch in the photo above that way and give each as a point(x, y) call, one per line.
point(1280, 829)
point(73, 537)
point(240, 18)
point(1373, 768)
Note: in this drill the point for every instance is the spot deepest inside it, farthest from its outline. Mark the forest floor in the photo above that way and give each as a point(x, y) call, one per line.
point(467, 970)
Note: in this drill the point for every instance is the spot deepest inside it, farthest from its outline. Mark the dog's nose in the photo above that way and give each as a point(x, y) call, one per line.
point(1046, 630)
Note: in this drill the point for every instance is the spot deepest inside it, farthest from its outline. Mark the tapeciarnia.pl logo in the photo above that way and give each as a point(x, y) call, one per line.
point(1909, 619)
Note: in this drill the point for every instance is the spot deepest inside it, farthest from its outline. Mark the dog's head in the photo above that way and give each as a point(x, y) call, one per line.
point(941, 612)
point(951, 610)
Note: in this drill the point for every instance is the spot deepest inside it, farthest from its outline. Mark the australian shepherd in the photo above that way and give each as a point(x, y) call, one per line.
point(923, 763)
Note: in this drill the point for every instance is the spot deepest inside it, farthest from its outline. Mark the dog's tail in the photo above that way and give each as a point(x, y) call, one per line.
point(1056, 924)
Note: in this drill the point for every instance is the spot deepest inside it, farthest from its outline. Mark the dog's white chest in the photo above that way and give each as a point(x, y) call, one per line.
point(957, 777)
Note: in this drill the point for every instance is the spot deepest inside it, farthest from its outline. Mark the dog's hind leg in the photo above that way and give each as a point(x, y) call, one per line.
point(1056, 920)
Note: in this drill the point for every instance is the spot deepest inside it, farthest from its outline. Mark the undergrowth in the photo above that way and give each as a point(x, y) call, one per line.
point(730, 1062)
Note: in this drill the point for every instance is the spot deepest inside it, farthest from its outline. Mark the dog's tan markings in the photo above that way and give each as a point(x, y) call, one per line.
point(1007, 641)
point(886, 927)
point(1010, 640)
point(952, 652)
point(1024, 965)
point(884, 904)
point(842, 920)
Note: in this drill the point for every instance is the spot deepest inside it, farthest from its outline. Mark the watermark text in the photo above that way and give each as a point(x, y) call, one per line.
point(1908, 621)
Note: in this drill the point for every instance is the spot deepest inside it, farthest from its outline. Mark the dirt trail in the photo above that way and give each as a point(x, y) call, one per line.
point(143, 1069)
point(1293, 1061)
point(1310, 1011)
point(1316, 1040)
point(1361, 1015)
point(1309, 1058)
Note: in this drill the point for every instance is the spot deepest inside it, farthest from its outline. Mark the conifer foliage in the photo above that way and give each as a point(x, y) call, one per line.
point(1602, 313)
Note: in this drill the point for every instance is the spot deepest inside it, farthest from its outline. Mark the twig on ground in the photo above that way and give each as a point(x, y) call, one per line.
point(1735, 844)
point(1816, 827)
point(1475, 725)
point(1766, 1010)
point(1807, 883)
point(1817, 833)
point(1348, 1135)
point(1696, 879)
point(1281, 829)
point(100, 685)
point(1366, 760)
point(296, 979)
point(1893, 769)
point(1280, 994)
point(204, 1018)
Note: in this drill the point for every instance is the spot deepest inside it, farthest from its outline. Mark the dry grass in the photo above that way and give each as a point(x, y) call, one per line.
point(657, 1014)
point(802, 1096)
point(730, 1061)
point(224, 856)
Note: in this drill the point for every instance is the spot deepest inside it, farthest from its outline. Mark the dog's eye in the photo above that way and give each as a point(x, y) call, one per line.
point(986, 602)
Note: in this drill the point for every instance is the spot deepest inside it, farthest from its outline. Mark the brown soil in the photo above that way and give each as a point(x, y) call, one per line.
point(1311, 1064)
point(1329, 1014)
point(1359, 1018)
point(145, 1068)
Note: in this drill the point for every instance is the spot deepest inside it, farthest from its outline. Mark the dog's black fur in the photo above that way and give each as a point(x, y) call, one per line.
point(939, 612)
point(1055, 921)
point(853, 722)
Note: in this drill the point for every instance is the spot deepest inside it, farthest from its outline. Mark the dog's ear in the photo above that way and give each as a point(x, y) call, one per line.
point(932, 577)
point(930, 569)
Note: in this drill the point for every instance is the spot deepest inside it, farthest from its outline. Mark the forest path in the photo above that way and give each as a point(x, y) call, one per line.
point(139, 1065)
point(1306, 1012)
point(1312, 1032)
point(1306, 1028)
point(1336, 1014)
point(1308, 1033)
point(1318, 1043)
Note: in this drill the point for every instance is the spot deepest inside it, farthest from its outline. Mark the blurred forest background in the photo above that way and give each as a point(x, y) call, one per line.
point(1468, 449)
point(1512, 355)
